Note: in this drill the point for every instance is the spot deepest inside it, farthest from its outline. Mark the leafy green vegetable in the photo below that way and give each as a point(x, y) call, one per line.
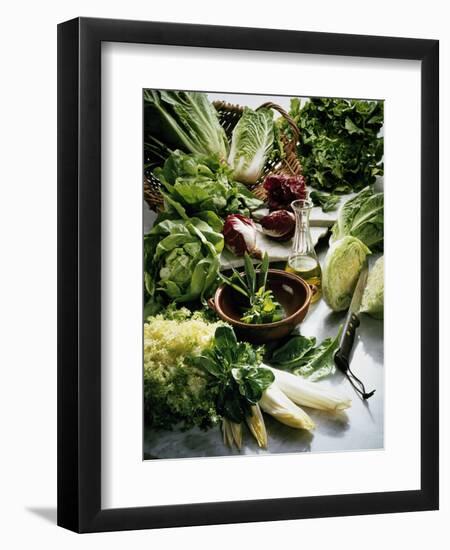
point(263, 308)
point(362, 217)
point(326, 201)
point(301, 356)
point(181, 120)
point(340, 149)
point(293, 350)
point(181, 259)
point(373, 297)
point(175, 392)
point(319, 362)
point(202, 183)
point(251, 144)
point(343, 263)
point(238, 380)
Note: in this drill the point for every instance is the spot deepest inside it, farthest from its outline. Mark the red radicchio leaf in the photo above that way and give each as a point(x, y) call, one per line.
point(282, 190)
point(240, 235)
point(279, 225)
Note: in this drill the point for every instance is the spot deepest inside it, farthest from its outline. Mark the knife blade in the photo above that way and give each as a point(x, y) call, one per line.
point(342, 356)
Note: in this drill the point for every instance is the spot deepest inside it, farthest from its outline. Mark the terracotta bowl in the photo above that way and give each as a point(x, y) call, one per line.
point(292, 292)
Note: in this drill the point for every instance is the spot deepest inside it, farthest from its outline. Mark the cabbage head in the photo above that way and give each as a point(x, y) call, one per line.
point(251, 144)
point(342, 266)
point(373, 297)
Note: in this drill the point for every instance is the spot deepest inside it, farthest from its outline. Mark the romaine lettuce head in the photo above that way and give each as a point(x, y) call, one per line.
point(251, 144)
point(183, 120)
point(181, 259)
point(373, 297)
point(342, 266)
point(362, 217)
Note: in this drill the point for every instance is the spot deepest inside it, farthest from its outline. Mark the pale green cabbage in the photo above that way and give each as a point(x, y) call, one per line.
point(373, 298)
point(343, 264)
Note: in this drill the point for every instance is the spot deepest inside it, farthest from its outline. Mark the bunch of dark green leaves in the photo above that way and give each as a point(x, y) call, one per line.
point(340, 148)
point(263, 308)
point(237, 378)
point(204, 183)
point(301, 356)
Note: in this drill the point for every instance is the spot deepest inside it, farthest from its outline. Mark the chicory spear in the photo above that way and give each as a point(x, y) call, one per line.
point(278, 225)
point(240, 235)
point(309, 394)
point(278, 404)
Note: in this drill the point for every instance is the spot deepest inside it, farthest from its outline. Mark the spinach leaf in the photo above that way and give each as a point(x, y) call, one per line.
point(327, 201)
point(319, 361)
point(226, 343)
point(293, 351)
point(209, 365)
point(252, 381)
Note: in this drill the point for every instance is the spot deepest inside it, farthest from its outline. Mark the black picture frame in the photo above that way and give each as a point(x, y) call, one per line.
point(79, 274)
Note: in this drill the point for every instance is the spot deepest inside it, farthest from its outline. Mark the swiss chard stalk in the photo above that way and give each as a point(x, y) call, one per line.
point(239, 382)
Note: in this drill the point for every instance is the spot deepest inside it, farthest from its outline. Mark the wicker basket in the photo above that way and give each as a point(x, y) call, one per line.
point(229, 115)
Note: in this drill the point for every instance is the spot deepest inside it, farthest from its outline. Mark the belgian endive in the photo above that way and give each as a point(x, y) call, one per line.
point(309, 394)
point(278, 405)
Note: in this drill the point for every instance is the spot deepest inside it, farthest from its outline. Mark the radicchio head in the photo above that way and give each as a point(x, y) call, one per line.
point(240, 235)
point(282, 190)
point(278, 225)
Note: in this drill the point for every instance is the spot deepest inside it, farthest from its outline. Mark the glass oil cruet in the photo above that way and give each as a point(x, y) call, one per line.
point(303, 259)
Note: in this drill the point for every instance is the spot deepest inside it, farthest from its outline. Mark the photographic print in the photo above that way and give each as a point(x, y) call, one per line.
point(263, 274)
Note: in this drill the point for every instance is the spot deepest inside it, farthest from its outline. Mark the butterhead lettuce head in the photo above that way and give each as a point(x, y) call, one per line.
point(343, 264)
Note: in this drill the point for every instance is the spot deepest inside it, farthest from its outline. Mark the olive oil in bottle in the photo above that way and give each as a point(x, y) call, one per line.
point(303, 259)
point(309, 270)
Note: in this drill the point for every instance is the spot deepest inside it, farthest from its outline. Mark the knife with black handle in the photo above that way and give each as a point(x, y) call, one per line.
point(342, 356)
